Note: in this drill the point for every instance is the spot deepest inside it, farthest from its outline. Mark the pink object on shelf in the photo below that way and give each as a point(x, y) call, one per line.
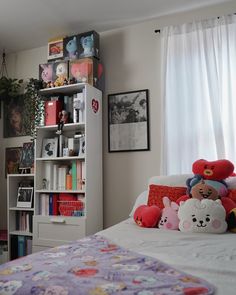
point(3, 235)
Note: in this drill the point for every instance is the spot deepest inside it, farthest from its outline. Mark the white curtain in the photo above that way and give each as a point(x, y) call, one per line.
point(199, 93)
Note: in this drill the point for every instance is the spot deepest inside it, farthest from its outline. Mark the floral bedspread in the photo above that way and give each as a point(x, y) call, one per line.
point(95, 266)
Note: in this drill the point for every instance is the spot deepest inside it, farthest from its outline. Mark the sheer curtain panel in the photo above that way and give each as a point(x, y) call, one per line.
point(199, 93)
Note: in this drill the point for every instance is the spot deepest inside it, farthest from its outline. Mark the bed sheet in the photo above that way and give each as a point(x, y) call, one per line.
point(209, 256)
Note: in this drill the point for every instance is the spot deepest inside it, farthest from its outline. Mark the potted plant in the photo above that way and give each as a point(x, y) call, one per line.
point(34, 107)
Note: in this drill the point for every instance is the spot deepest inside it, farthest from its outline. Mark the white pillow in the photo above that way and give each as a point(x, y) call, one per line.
point(231, 182)
point(170, 180)
point(142, 199)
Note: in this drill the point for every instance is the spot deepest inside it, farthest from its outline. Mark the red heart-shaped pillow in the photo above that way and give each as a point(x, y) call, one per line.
point(215, 170)
point(147, 216)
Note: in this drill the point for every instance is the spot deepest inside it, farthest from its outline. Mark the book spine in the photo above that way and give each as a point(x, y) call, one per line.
point(55, 176)
point(74, 177)
point(21, 246)
point(83, 175)
point(55, 207)
point(49, 174)
point(79, 174)
point(62, 178)
point(50, 204)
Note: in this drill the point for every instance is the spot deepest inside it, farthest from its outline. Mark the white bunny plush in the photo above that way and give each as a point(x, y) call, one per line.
point(202, 216)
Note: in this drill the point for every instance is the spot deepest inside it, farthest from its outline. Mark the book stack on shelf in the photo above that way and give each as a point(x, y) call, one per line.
point(21, 246)
point(24, 221)
point(62, 204)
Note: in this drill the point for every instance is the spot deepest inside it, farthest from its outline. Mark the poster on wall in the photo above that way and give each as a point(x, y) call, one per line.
point(128, 121)
point(12, 160)
point(14, 123)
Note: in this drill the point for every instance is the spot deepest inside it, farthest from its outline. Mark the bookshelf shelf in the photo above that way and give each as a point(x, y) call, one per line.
point(66, 89)
point(20, 209)
point(66, 127)
point(60, 158)
point(68, 190)
point(61, 191)
point(21, 233)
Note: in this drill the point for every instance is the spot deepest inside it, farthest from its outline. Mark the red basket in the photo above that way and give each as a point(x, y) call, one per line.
point(70, 208)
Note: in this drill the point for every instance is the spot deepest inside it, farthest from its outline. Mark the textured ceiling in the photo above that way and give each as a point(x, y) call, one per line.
point(26, 24)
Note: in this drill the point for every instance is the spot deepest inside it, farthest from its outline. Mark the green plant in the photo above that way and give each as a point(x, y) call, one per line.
point(34, 107)
point(9, 87)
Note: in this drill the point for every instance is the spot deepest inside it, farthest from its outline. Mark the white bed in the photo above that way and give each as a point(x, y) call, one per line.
point(208, 256)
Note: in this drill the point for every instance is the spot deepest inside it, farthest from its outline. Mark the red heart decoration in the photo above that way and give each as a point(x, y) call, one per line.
point(95, 105)
point(147, 216)
point(215, 170)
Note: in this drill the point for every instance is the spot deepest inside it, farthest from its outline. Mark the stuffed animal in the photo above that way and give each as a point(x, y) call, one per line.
point(62, 73)
point(215, 170)
point(147, 216)
point(202, 216)
point(81, 70)
point(88, 46)
point(169, 218)
point(46, 73)
point(71, 48)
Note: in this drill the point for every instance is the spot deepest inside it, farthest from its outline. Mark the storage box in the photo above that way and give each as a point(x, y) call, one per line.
point(52, 109)
point(84, 70)
point(46, 74)
point(88, 44)
point(60, 73)
point(70, 47)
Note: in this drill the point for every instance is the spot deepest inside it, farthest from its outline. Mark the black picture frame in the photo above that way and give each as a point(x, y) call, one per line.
point(27, 155)
point(25, 197)
point(14, 114)
point(128, 121)
point(12, 160)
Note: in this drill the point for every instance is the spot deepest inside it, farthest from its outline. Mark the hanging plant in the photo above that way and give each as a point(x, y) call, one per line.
point(34, 107)
point(9, 88)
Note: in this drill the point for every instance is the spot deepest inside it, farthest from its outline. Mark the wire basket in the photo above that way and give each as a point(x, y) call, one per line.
point(71, 208)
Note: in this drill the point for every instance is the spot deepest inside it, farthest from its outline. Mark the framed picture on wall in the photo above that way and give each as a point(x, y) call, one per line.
point(14, 123)
point(12, 160)
point(27, 156)
point(128, 121)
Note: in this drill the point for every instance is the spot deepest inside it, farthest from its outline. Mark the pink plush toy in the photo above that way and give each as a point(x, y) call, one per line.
point(169, 218)
point(147, 216)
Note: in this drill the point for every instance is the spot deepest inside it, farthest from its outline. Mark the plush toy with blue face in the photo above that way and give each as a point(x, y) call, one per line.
point(71, 48)
point(88, 46)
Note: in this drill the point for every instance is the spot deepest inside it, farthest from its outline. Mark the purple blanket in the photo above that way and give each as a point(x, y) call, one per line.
point(95, 266)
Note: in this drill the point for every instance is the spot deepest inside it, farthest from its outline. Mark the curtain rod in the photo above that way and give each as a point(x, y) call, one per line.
point(159, 31)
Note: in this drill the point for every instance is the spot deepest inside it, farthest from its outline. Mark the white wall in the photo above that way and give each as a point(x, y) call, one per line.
point(132, 61)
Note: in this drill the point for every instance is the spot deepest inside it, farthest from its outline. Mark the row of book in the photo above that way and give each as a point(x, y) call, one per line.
point(64, 177)
point(20, 246)
point(24, 221)
point(61, 204)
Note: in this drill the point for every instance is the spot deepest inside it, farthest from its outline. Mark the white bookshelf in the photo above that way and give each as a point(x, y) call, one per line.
point(50, 231)
point(13, 183)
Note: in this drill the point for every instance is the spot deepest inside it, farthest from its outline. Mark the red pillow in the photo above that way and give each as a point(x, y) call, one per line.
point(157, 192)
point(232, 194)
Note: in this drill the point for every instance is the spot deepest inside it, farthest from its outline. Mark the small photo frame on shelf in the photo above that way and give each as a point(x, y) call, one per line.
point(50, 147)
point(55, 49)
point(128, 121)
point(25, 197)
point(82, 146)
